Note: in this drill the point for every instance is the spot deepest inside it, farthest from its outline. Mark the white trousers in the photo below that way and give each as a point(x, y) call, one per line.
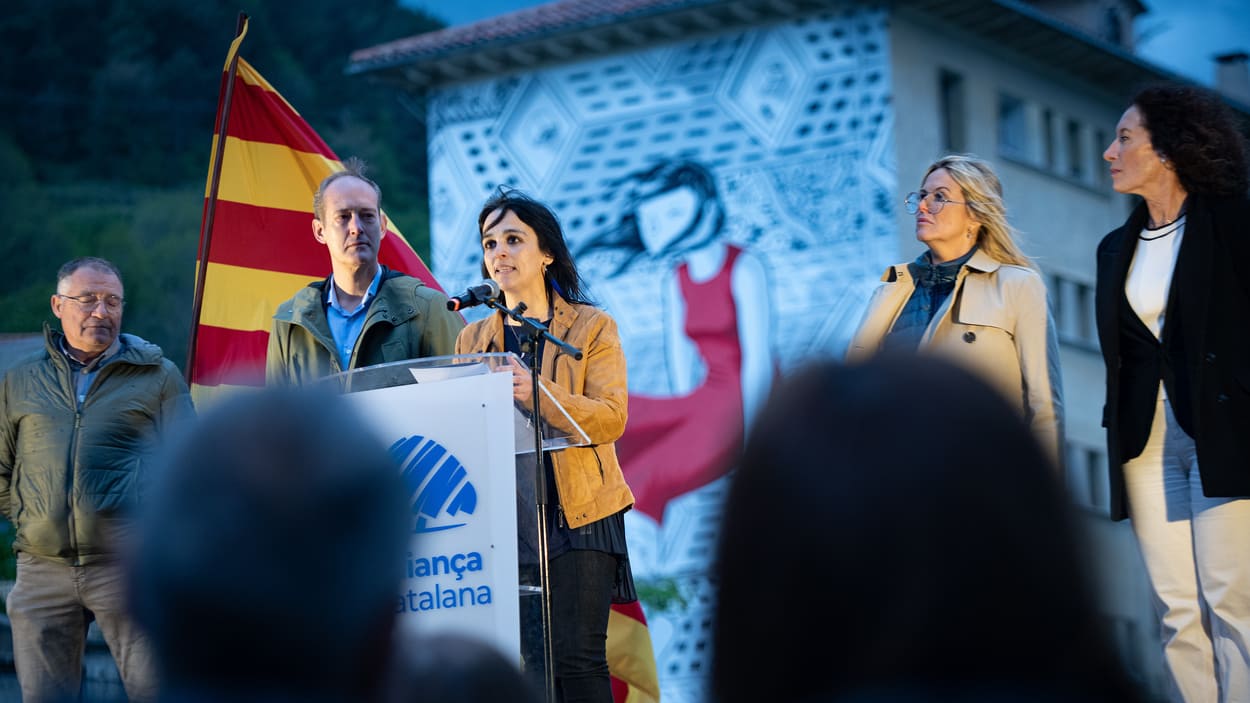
point(1197, 553)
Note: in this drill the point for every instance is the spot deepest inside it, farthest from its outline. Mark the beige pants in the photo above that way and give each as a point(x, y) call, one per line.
point(1197, 552)
point(49, 609)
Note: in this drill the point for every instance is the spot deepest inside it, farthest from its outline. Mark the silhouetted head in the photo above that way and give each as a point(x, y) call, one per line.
point(271, 550)
point(452, 668)
point(895, 524)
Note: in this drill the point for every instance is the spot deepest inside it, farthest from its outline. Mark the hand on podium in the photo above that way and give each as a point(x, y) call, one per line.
point(522, 384)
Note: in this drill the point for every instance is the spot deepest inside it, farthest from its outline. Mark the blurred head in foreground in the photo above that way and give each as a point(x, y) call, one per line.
point(899, 514)
point(271, 550)
point(454, 668)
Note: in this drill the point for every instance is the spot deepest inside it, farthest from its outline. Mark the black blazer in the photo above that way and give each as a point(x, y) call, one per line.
point(1203, 358)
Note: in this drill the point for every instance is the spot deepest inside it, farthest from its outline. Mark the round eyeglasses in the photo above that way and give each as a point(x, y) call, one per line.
point(89, 302)
point(936, 201)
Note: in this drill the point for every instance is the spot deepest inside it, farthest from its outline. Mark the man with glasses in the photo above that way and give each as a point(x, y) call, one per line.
point(77, 421)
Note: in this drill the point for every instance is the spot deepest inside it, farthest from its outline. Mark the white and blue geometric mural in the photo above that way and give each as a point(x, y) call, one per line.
point(730, 200)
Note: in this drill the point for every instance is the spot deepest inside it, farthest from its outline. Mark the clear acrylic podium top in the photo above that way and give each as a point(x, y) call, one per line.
point(558, 430)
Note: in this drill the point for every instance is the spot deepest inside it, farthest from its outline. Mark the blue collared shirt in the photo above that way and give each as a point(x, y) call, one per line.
point(934, 284)
point(345, 325)
point(84, 374)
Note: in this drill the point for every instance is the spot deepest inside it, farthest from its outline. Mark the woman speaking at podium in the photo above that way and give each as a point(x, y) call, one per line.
point(523, 250)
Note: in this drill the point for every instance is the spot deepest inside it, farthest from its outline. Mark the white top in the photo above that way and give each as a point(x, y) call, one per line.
point(1150, 276)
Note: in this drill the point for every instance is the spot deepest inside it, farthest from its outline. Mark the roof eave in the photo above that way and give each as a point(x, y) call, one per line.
point(1011, 25)
point(565, 43)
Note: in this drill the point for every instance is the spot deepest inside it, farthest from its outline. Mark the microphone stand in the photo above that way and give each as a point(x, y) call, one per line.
point(533, 330)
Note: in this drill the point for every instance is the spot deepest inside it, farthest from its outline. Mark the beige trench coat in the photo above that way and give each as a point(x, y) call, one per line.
point(997, 324)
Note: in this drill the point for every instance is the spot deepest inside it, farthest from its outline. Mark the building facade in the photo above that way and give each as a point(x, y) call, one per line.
point(730, 177)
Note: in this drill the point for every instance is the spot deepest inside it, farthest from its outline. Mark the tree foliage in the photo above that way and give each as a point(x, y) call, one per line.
point(106, 122)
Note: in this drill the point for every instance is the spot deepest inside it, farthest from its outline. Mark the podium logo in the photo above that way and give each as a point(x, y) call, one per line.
point(438, 483)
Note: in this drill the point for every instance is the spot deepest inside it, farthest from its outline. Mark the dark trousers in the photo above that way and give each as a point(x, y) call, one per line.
point(581, 599)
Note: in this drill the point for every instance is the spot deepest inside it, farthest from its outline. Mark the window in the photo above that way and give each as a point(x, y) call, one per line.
point(1072, 306)
point(1096, 475)
point(1051, 140)
point(1103, 177)
point(1048, 139)
point(1113, 26)
point(951, 94)
point(1086, 473)
point(1084, 312)
point(1076, 150)
point(1013, 127)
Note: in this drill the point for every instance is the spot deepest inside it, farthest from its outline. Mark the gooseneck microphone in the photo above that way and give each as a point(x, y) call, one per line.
point(480, 294)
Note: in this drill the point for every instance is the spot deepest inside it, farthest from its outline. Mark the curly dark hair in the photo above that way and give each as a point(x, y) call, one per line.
point(1194, 129)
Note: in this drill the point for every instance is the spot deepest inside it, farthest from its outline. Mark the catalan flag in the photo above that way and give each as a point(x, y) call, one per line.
point(631, 659)
point(260, 246)
point(257, 250)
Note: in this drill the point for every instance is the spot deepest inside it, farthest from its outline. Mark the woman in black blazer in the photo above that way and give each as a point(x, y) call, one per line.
point(1173, 307)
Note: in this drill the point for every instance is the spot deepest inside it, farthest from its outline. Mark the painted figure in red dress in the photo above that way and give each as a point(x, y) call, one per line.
point(716, 337)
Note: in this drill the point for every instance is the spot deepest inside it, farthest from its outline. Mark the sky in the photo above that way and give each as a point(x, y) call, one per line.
point(1179, 35)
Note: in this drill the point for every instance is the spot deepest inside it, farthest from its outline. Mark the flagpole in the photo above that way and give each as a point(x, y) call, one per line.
point(206, 227)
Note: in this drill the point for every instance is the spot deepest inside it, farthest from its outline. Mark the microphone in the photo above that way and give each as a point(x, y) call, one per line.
point(484, 292)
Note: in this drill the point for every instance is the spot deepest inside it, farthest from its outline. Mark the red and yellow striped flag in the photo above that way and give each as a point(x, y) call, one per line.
point(261, 251)
point(261, 246)
point(631, 659)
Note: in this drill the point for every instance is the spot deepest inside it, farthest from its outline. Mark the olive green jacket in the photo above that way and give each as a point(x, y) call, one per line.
point(71, 476)
point(406, 320)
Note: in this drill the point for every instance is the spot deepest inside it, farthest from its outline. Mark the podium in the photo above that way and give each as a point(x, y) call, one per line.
point(467, 455)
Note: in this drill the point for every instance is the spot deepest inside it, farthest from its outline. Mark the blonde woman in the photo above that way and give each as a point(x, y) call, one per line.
point(972, 296)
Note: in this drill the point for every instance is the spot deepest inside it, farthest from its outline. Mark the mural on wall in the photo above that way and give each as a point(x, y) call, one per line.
point(730, 201)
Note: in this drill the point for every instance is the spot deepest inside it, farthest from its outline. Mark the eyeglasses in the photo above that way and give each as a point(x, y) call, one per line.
point(88, 302)
point(937, 201)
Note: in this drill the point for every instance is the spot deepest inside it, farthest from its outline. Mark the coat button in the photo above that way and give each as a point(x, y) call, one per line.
point(970, 337)
point(1210, 357)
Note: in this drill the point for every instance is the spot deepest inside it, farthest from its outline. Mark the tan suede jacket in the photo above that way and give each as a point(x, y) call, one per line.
point(593, 391)
point(996, 323)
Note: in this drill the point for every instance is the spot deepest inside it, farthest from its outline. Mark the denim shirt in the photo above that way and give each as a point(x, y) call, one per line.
point(346, 325)
point(84, 374)
point(934, 284)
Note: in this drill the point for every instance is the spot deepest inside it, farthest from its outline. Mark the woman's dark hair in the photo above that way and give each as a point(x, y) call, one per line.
point(561, 273)
point(1196, 131)
point(895, 525)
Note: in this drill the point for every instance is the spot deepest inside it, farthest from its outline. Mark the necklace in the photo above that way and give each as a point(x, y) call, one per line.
point(1171, 228)
point(528, 357)
point(1180, 214)
point(521, 350)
